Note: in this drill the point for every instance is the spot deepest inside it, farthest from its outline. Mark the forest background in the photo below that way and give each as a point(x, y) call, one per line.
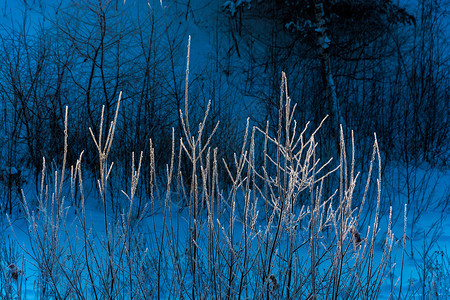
point(369, 66)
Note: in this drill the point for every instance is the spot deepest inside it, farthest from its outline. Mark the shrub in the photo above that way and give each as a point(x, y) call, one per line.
point(260, 239)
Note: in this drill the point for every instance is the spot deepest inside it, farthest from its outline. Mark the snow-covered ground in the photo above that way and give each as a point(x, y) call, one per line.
point(425, 262)
point(424, 269)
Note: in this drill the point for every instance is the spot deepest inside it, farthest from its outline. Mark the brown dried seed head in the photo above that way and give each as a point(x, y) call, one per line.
point(356, 235)
point(273, 281)
point(14, 272)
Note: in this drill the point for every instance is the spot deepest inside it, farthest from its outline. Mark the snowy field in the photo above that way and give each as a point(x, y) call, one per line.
point(272, 222)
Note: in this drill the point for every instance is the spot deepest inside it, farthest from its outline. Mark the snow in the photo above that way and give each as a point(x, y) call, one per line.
point(429, 255)
point(232, 6)
point(13, 171)
point(426, 261)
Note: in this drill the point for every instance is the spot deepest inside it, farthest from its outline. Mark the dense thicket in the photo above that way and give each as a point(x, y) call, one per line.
point(372, 66)
point(81, 54)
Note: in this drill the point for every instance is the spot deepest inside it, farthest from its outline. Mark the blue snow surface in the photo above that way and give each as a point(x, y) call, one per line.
point(426, 260)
